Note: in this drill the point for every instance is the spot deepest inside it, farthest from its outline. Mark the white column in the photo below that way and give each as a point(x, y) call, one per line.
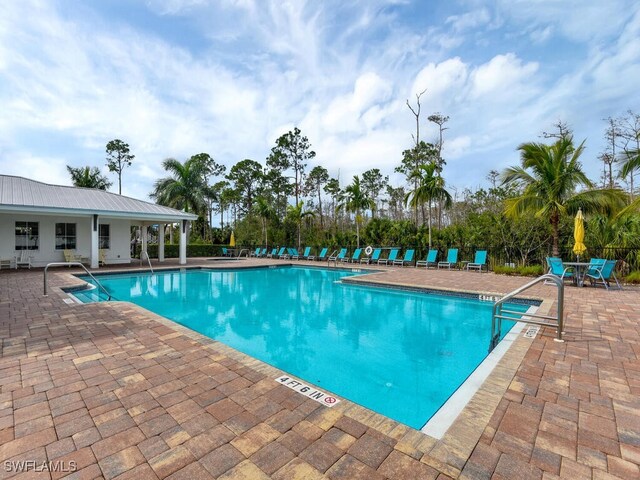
point(183, 242)
point(143, 252)
point(161, 242)
point(95, 252)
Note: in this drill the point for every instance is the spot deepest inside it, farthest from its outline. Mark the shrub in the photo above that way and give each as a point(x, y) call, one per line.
point(504, 270)
point(193, 250)
point(633, 277)
point(529, 271)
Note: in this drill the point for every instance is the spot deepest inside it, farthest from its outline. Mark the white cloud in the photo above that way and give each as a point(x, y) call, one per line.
point(469, 20)
point(347, 113)
point(502, 74)
point(244, 72)
point(444, 82)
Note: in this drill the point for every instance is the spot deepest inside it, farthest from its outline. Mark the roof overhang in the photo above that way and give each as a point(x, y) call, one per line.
point(166, 218)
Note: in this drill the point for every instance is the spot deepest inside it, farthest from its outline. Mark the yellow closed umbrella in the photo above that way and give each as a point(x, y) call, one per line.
point(578, 235)
point(232, 240)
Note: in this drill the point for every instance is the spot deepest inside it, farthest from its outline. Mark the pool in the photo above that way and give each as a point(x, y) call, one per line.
point(399, 353)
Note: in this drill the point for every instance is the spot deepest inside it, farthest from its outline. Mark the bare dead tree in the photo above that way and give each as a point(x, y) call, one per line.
point(416, 140)
point(439, 120)
point(416, 113)
point(563, 131)
point(611, 135)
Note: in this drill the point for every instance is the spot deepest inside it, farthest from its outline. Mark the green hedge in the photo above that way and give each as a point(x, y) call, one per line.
point(173, 251)
point(529, 271)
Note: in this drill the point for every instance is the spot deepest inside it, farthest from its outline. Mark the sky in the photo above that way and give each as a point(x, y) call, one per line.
point(173, 78)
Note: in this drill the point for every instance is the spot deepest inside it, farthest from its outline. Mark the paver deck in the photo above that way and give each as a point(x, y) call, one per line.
point(110, 390)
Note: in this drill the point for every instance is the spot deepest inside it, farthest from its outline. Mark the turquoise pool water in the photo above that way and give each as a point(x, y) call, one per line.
point(399, 353)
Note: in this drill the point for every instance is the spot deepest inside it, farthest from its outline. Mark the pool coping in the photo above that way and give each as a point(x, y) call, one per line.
point(447, 454)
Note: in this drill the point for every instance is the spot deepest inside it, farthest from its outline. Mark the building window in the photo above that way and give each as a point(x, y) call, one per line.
point(104, 240)
point(65, 236)
point(27, 236)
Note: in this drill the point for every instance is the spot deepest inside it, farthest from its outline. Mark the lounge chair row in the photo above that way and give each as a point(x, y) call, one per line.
point(599, 271)
point(479, 263)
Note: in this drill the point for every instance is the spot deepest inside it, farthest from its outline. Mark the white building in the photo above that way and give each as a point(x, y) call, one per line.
point(45, 220)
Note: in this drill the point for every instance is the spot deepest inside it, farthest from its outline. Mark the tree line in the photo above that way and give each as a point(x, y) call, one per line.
point(528, 207)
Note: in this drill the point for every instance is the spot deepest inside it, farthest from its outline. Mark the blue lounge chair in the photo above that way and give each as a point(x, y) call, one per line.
point(602, 274)
point(334, 258)
point(430, 261)
point(452, 259)
point(479, 261)
point(354, 258)
point(273, 253)
point(408, 258)
point(225, 252)
point(305, 254)
point(263, 252)
point(280, 253)
point(322, 256)
point(290, 253)
point(375, 256)
point(557, 268)
point(393, 254)
point(255, 253)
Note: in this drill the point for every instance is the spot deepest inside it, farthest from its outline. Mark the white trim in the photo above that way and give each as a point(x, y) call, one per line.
point(159, 217)
point(440, 422)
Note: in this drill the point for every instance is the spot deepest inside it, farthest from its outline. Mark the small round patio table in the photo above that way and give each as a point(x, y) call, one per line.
point(580, 270)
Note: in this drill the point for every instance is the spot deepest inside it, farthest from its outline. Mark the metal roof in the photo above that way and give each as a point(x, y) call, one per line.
point(23, 194)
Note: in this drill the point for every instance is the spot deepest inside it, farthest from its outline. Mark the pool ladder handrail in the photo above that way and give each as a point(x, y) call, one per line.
point(243, 250)
point(69, 264)
point(146, 254)
point(333, 258)
point(537, 319)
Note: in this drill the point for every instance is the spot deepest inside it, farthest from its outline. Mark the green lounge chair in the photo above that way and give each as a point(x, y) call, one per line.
point(393, 254)
point(602, 274)
point(322, 256)
point(431, 260)
point(354, 258)
point(557, 268)
point(408, 258)
point(334, 258)
point(375, 256)
point(452, 259)
point(479, 261)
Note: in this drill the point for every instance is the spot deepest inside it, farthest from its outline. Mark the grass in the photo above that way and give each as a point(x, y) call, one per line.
point(633, 277)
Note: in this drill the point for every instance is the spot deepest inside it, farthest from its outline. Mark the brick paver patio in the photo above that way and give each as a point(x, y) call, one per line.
point(111, 390)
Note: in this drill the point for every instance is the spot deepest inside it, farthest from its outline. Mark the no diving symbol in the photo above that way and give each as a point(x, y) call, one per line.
point(329, 400)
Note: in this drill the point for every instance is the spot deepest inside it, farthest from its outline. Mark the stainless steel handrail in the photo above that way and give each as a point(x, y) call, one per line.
point(498, 311)
point(333, 258)
point(146, 254)
point(243, 250)
point(68, 264)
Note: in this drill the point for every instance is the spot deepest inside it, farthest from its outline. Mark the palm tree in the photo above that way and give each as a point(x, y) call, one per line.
point(297, 214)
point(355, 200)
point(550, 175)
point(429, 188)
point(266, 212)
point(184, 189)
point(629, 165)
point(88, 177)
